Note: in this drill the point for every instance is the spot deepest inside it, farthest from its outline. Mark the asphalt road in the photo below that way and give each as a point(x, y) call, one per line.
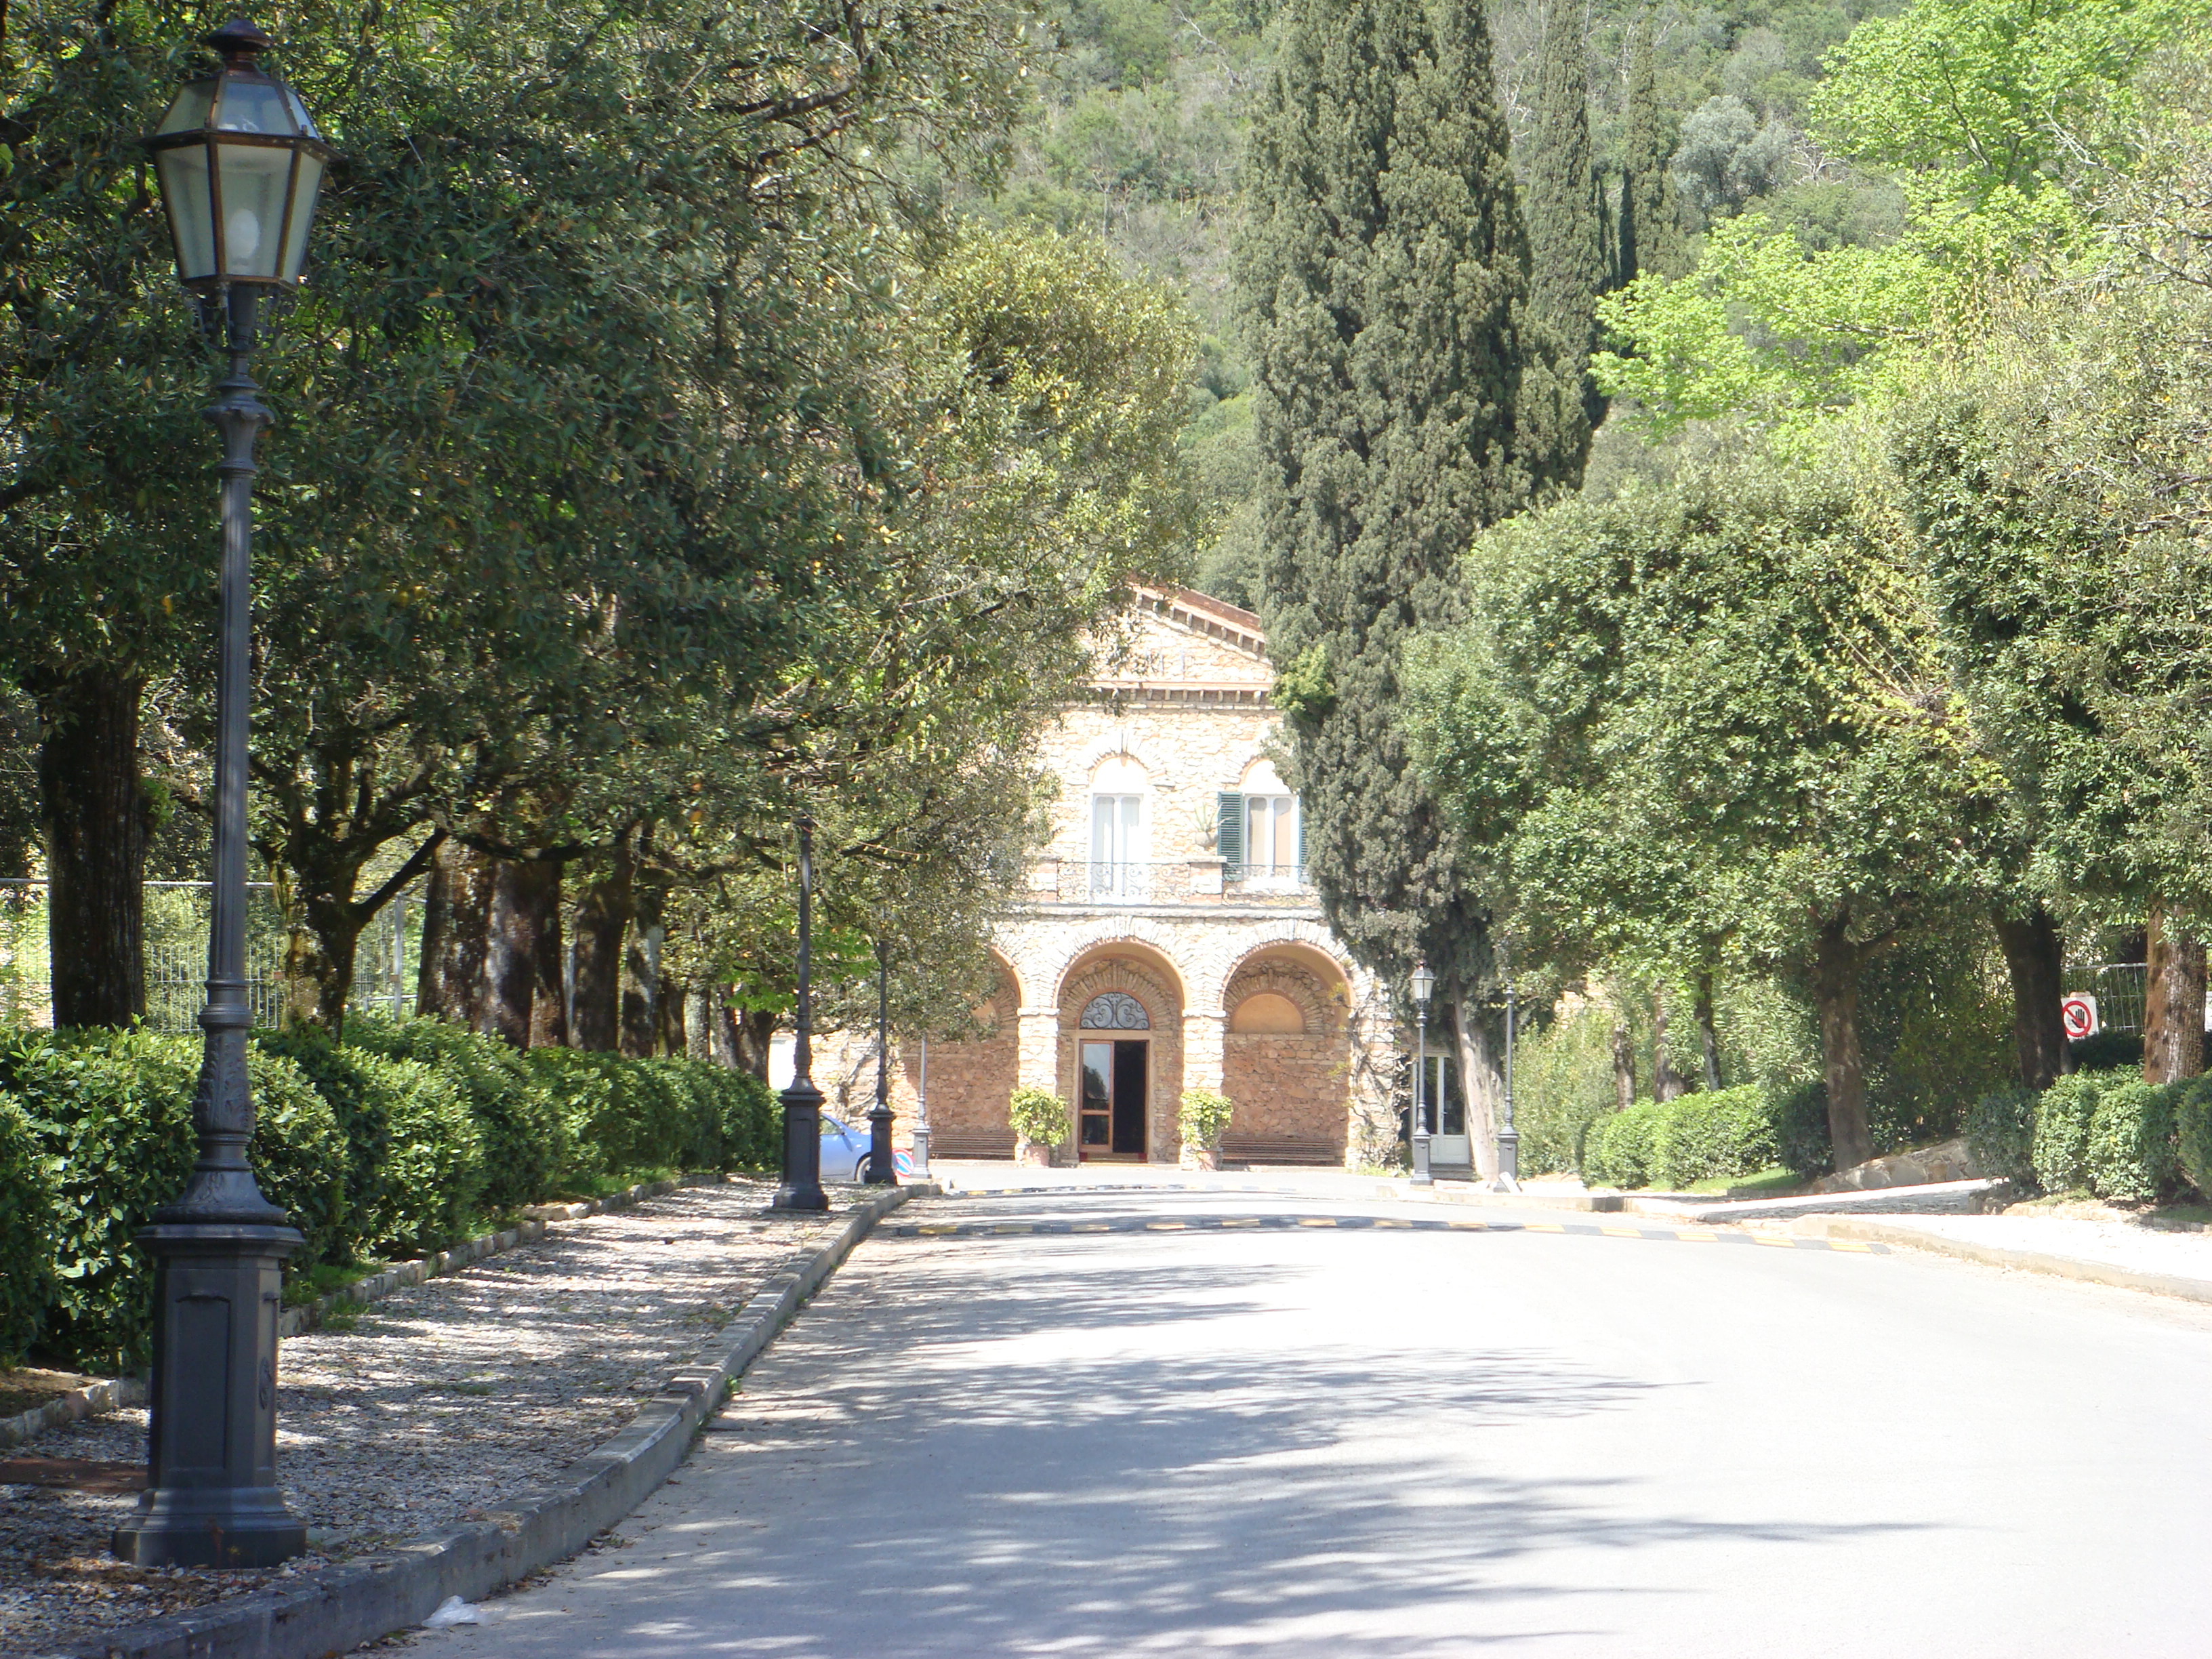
point(1276, 1437)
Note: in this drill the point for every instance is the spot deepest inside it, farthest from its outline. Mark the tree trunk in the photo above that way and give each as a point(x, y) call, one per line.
point(754, 1033)
point(1709, 1039)
point(1836, 962)
point(1482, 1086)
point(95, 816)
point(522, 954)
point(2035, 957)
point(1624, 1063)
point(1667, 1083)
point(602, 921)
point(728, 1048)
point(668, 1033)
point(320, 946)
point(456, 921)
point(2173, 1002)
point(641, 991)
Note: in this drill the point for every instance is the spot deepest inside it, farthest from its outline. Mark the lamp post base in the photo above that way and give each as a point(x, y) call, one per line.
point(922, 1151)
point(1421, 1175)
point(883, 1170)
point(212, 1499)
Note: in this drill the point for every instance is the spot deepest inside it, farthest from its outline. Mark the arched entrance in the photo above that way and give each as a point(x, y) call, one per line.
point(1121, 1046)
point(1285, 1058)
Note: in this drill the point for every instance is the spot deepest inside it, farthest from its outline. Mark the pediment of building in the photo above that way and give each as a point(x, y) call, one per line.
point(1176, 639)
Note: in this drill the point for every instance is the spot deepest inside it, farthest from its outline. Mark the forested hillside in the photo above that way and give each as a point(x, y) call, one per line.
point(1137, 130)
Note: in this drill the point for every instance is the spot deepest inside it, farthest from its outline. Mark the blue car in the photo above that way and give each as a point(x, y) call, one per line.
point(845, 1151)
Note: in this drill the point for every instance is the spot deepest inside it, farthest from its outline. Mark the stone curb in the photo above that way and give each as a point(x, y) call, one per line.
point(336, 1610)
point(99, 1399)
point(1998, 1255)
point(93, 1400)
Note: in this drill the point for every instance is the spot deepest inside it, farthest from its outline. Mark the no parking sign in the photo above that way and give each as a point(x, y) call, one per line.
point(2079, 1010)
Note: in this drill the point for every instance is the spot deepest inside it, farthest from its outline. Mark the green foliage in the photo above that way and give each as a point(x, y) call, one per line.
point(526, 1141)
point(1800, 1130)
point(26, 1223)
point(2193, 1133)
point(1617, 1151)
point(2132, 1156)
point(1037, 1118)
point(1563, 1083)
point(1205, 1114)
point(298, 1155)
point(1726, 1132)
point(2000, 1135)
point(2063, 1120)
point(1383, 272)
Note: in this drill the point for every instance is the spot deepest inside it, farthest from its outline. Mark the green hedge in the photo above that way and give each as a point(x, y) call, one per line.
point(1672, 1144)
point(2192, 1124)
point(2132, 1155)
point(26, 1223)
point(2062, 1120)
point(408, 1136)
point(2001, 1134)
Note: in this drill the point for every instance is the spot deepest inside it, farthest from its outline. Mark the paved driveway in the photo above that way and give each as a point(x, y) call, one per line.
point(1254, 1434)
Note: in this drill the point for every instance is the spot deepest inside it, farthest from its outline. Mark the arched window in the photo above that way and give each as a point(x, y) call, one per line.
point(1115, 1011)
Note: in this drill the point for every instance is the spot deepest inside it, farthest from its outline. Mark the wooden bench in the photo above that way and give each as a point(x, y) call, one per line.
point(1279, 1148)
point(971, 1144)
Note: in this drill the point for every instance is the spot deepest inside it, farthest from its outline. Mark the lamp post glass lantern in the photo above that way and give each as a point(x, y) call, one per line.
point(240, 165)
point(802, 1101)
point(883, 1167)
point(1425, 985)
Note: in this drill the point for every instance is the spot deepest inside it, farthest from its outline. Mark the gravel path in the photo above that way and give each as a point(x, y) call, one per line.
point(443, 1400)
point(2121, 1243)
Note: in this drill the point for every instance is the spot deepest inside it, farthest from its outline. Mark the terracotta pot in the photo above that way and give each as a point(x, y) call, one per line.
point(1205, 1158)
point(1032, 1155)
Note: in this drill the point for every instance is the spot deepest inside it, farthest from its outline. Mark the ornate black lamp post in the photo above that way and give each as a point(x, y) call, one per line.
point(239, 166)
point(1424, 982)
point(1509, 1138)
point(802, 1101)
point(883, 1168)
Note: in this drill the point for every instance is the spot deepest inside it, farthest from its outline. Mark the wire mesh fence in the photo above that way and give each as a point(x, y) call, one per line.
point(2119, 988)
point(177, 920)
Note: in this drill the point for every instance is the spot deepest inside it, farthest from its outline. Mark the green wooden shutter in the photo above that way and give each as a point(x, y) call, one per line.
point(1228, 827)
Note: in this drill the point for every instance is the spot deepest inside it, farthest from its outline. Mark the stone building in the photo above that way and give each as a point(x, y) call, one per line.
point(1169, 939)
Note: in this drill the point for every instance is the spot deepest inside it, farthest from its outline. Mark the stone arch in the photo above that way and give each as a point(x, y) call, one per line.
point(1149, 940)
point(1144, 971)
point(1290, 1089)
point(1119, 742)
point(1307, 942)
point(969, 1083)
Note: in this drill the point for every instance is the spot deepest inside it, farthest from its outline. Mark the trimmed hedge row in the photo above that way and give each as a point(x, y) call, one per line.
point(405, 1138)
point(1670, 1144)
point(2107, 1133)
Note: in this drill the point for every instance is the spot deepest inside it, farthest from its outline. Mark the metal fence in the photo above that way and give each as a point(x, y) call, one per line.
point(2119, 987)
point(176, 916)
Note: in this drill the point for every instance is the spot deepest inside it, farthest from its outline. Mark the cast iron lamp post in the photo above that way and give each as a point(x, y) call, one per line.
point(802, 1101)
point(1509, 1138)
point(922, 1115)
point(1424, 983)
point(240, 165)
point(883, 1168)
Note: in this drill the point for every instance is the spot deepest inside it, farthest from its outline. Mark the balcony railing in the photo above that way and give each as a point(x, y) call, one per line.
point(1167, 881)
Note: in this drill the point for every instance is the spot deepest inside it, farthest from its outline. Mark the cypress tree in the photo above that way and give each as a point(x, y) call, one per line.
point(1385, 274)
point(1566, 247)
point(1648, 238)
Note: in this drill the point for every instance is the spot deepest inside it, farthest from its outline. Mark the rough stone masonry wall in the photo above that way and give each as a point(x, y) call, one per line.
point(1287, 1086)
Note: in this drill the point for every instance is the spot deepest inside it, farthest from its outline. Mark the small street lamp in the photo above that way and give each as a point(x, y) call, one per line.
point(883, 1169)
point(922, 1115)
point(1509, 1138)
point(1424, 983)
point(802, 1101)
point(240, 165)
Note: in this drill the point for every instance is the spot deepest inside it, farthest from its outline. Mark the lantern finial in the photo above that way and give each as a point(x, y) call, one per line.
point(238, 40)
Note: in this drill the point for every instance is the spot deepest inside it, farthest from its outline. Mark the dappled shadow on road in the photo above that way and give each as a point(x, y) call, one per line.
point(966, 1450)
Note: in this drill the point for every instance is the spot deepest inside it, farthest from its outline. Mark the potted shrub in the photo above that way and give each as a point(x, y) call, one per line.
point(1205, 1118)
point(1039, 1122)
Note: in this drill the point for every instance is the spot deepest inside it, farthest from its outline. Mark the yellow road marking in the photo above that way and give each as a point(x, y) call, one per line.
point(939, 1228)
point(1317, 1221)
point(1544, 1227)
point(1088, 1227)
point(1779, 1244)
point(1697, 1235)
point(1848, 1244)
point(1622, 1233)
point(1390, 1221)
point(1163, 1226)
point(1240, 1221)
